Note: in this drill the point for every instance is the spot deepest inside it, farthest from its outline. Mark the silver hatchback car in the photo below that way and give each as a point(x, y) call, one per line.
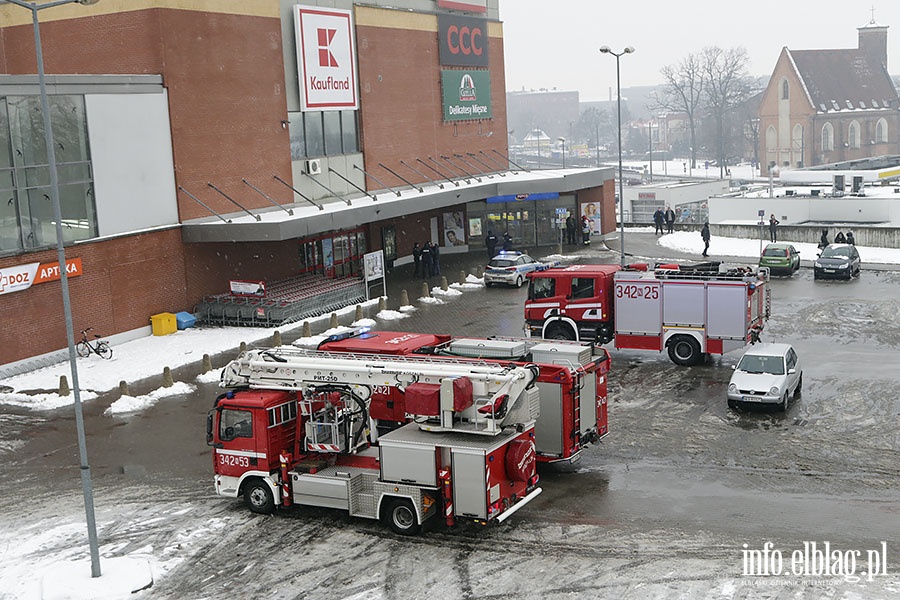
point(766, 374)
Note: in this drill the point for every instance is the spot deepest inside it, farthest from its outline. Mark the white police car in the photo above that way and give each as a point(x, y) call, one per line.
point(510, 268)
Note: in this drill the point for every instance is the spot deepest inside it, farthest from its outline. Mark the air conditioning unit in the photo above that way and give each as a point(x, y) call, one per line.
point(314, 166)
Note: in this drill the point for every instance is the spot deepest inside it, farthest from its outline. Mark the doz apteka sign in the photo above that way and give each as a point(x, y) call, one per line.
point(22, 277)
point(326, 58)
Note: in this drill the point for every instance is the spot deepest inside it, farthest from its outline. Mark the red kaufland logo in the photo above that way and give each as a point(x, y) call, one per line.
point(326, 58)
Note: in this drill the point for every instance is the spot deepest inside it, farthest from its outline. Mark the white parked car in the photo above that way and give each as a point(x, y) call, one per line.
point(766, 374)
point(510, 268)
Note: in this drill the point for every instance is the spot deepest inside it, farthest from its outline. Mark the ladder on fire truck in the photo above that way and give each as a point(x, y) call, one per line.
point(494, 396)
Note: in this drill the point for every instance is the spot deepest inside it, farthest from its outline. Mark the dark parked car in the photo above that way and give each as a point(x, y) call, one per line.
point(837, 261)
point(780, 258)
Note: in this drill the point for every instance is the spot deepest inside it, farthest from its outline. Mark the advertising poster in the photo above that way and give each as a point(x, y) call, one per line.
point(591, 210)
point(466, 94)
point(475, 226)
point(374, 265)
point(454, 232)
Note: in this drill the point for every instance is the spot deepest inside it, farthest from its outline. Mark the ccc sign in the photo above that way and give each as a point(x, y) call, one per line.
point(464, 41)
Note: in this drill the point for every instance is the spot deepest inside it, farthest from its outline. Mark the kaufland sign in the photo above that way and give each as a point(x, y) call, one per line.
point(326, 58)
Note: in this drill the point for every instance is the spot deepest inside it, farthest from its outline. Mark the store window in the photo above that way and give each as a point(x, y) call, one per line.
point(323, 133)
point(26, 212)
point(333, 255)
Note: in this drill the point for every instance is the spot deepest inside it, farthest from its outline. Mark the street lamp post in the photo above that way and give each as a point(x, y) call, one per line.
point(34, 7)
point(563, 141)
point(627, 50)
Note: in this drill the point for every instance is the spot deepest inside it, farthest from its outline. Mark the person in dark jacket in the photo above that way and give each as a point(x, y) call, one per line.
point(670, 219)
point(850, 239)
point(773, 228)
point(491, 243)
point(658, 219)
point(823, 241)
point(507, 242)
point(417, 260)
point(571, 229)
point(839, 238)
point(427, 264)
point(435, 259)
point(704, 233)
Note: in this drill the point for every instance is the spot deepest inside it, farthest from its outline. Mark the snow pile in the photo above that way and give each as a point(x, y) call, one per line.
point(48, 401)
point(131, 404)
point(448, 293)
point(390, 315)
point(467, 285)
point(209, 376)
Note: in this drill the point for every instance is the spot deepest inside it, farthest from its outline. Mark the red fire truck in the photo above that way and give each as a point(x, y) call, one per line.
point(690, 311)
point(294, 429)
point(572, 381)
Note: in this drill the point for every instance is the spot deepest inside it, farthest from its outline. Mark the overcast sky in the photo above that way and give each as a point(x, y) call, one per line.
point(555, 44)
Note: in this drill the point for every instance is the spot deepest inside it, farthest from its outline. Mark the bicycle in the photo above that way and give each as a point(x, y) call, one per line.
point(99, 347)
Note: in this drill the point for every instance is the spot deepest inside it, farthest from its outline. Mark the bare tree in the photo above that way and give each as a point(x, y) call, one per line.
point(726, 84)
point(682, 92)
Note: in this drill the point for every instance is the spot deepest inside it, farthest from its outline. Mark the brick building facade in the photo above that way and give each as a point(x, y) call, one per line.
point(170, 215)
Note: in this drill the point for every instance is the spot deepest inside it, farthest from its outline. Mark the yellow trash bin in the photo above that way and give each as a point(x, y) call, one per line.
point(163, 323)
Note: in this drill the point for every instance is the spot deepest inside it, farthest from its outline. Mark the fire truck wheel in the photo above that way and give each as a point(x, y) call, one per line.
point(685, 351)
point(258, 497)
point(401, 517)
point(559, 332)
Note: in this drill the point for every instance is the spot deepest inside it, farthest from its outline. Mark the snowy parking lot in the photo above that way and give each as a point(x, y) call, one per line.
point(684, 499)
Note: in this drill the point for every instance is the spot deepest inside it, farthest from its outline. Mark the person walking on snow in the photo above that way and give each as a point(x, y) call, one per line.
point(704, 233)
point(773, 228)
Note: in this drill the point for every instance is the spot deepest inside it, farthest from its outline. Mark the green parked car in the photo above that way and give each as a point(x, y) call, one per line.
point(780, 258)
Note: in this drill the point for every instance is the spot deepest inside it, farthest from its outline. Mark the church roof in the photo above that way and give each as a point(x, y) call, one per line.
point(844, 80)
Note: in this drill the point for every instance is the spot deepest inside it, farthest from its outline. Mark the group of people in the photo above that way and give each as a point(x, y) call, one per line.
point(840, 238)
point(572, 227)
point(667, 218)
point(426, 260)
point(491, 241)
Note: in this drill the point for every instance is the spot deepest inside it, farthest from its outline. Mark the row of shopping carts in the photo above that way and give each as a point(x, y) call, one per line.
point(286, 301)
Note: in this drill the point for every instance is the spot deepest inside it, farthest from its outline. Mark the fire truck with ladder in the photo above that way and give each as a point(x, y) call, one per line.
point(294, 429)
point(572, 380)
point(691, 311)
